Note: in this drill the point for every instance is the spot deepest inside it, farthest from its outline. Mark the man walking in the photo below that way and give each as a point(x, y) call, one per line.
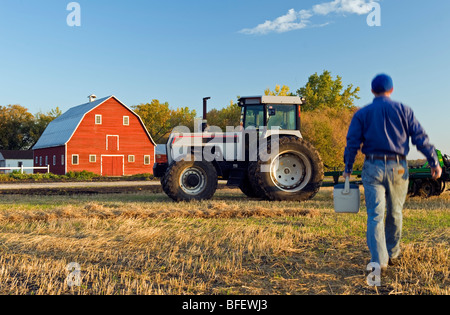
point(384, 128)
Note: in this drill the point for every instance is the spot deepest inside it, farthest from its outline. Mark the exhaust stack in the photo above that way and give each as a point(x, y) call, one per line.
point(205, 113)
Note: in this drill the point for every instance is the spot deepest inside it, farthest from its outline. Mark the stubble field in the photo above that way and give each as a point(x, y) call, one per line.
point(143, 243)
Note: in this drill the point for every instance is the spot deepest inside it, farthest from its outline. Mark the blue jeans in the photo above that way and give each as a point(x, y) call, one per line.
point(386, 187)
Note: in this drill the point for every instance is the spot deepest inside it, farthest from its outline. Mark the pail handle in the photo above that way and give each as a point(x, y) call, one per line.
point(346, 190)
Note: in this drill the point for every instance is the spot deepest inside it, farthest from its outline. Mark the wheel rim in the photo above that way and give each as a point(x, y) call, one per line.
point(426, 189)
point(291, 171)
point(193, 181)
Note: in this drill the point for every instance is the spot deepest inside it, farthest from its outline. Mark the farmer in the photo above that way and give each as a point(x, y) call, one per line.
point(384, 128)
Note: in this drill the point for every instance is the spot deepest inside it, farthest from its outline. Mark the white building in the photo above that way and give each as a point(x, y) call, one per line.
point(16, 159)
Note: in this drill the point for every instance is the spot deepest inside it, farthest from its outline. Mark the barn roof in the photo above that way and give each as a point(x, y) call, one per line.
point(16, 155)
point(60, 130)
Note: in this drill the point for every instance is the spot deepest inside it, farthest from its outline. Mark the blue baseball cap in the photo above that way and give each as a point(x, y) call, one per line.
point(382, 83)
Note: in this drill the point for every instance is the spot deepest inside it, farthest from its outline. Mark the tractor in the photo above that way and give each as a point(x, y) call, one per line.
point(265, 156)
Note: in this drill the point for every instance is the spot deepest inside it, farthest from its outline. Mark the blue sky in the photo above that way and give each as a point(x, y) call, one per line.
point(180, 51)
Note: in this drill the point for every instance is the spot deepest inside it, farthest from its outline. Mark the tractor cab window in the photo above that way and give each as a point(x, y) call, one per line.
point(254, 116)
point(283, 116)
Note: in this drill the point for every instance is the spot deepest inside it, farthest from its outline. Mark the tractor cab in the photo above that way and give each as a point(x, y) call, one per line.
point(281, 112)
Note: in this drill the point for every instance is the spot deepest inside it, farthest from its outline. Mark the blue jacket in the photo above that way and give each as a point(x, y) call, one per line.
point(385, 128)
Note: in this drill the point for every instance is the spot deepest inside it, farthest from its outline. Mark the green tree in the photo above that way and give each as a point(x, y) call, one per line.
point(15, 125)
point(327, 129)
point(326, 116)
point(322, 91)
point(279, 91)
point(160, 119)
point(19, 129)
point(227, 116)
point(183, 116)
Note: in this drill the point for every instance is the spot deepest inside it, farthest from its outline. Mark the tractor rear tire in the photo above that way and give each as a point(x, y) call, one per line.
point(294, 173)
point(248, 188)
point(190, 180)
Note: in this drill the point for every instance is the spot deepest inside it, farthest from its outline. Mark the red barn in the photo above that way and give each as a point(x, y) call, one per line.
point(103, 136)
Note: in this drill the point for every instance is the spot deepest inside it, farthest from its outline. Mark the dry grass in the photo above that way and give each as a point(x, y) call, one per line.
point(145, 244)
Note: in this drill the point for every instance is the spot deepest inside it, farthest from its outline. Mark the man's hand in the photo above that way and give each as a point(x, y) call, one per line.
point(436, 172)
point(346, 175)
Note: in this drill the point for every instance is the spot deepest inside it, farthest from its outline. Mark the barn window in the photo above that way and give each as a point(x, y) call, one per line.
point(75, 159)
point(126, 120)
point(98, 119)
point(54, 160)
point(131, 158)
point(46, 160)
point(62, 159)
point(92, 158)
point(37, 160)
point(40, 161)
point(147, 159)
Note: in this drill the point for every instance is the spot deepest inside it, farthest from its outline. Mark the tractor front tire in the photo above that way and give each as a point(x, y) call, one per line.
point(190, 180)
point(294, 172)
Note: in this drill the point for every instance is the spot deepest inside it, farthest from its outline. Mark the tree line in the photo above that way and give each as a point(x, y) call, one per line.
point(326, 116)
point(19, 129)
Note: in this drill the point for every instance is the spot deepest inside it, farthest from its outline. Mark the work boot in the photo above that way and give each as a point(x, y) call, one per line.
point(394, 261)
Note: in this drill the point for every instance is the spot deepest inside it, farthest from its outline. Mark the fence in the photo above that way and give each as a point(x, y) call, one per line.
point(22, 168)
